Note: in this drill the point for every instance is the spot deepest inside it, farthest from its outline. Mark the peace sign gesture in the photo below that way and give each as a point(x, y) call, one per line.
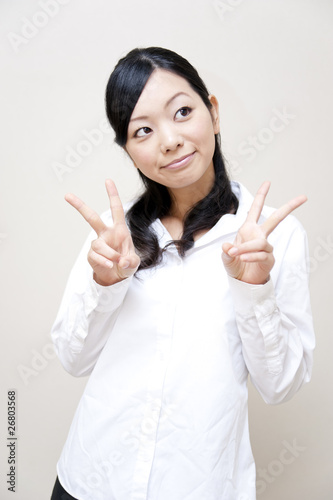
point(250, 258)
point(112, 255)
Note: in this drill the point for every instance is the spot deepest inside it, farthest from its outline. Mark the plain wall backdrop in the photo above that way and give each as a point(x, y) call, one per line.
point(270, 65)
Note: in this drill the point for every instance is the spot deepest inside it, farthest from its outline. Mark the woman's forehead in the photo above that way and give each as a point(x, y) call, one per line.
point(161, 86)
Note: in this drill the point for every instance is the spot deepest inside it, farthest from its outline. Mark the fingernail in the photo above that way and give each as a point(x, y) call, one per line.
point(232, 251)
point(126, 264)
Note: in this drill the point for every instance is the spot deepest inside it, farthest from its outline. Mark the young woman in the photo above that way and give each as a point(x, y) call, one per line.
point(180, 300)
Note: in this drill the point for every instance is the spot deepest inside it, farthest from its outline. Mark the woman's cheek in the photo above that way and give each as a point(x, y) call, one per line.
point(145, 161)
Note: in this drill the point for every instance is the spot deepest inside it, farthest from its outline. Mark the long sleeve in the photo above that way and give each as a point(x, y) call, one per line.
point(180, 341)
point(86, 316)
point(275, 322)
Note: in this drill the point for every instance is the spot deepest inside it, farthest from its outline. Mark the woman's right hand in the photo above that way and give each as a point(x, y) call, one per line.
point(112, 255)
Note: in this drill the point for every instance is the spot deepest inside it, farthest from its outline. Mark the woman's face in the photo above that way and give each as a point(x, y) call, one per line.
point(171, 133)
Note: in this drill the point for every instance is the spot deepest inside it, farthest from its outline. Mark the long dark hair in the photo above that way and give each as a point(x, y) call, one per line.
point(122, 93)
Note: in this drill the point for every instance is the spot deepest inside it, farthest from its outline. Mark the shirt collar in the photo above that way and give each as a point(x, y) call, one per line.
point(228, 223)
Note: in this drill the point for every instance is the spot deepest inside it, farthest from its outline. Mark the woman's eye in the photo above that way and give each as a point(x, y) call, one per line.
point(185, 111)
point(141, 132)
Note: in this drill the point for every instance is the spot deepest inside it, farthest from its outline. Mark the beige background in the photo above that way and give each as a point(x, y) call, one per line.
point(260, 58)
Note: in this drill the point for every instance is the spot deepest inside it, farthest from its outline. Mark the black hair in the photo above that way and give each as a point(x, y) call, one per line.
point(123, 90)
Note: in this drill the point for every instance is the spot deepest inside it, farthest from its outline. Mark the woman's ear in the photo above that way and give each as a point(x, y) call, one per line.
point(215, 113)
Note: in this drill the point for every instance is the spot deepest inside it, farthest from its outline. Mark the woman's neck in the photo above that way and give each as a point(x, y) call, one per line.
point(183, 199)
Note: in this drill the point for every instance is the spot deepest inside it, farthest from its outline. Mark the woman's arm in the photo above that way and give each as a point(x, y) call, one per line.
point(275, 321)
point(94, 291)
point(85, 317)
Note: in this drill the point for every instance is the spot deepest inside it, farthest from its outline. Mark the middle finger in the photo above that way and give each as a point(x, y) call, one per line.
point(87, 213)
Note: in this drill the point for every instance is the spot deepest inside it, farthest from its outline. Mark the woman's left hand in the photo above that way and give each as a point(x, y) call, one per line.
point(250, 257)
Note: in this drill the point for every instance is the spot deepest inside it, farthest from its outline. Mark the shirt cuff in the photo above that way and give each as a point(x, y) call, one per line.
point(251, 300)
point(107, 298)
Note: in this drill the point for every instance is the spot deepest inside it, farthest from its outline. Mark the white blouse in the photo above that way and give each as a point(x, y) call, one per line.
point(164, 414)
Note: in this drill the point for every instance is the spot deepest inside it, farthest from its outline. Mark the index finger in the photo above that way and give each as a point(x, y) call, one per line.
point(87, 213)
point(258, 202)
point(116, 206)
point(281, 213)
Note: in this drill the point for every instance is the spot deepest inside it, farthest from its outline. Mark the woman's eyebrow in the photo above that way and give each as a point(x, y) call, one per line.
point(145, 117)
point(174, 97)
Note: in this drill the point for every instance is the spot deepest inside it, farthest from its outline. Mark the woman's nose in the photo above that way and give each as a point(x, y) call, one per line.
point(170, 139)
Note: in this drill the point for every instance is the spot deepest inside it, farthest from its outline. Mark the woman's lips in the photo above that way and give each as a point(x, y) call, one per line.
point(181, 162)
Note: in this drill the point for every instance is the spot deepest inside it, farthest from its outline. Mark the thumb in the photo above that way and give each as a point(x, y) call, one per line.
point(225, 256)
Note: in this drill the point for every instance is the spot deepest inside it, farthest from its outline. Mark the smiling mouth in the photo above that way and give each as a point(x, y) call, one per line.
point(180, 161)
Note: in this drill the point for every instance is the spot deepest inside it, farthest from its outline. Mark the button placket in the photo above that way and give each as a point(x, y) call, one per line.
point(152, 412)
